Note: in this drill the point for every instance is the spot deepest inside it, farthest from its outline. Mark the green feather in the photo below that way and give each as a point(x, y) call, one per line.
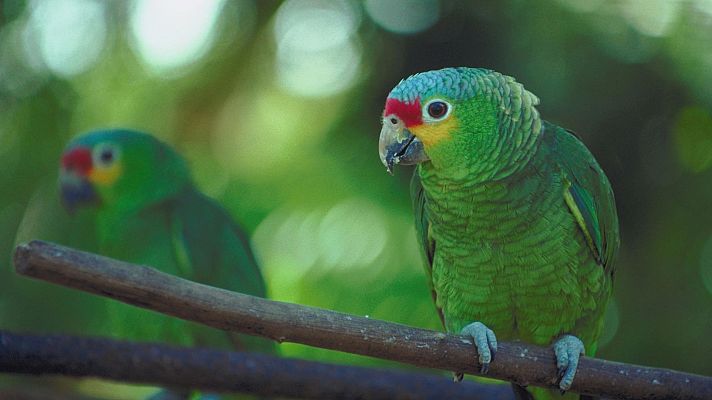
point(153, 215)
point(422, 228)
point(516, 219)
point(589, 195)
point(581, 205)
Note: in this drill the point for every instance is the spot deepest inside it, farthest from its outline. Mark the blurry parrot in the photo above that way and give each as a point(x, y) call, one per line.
point(148, 211)
point(516, 219)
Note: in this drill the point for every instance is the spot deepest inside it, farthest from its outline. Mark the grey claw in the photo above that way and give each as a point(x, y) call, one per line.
point(485, 342)
point(568, 350)
point(560, 372)
point(492, 339)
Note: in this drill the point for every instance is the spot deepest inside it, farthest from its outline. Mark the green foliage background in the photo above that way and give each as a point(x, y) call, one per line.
point(297, 163)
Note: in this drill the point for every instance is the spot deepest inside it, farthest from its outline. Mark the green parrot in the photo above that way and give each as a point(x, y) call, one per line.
point(516, 219)
point(149, 212)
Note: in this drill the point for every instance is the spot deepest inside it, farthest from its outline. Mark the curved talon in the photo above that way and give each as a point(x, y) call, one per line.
point(492, 339)
point(568, 350)
point(485, 342)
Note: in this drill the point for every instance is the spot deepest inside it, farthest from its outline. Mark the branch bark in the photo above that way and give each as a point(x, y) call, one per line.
point(24, 393)
point(515, 362)
point(224, 371)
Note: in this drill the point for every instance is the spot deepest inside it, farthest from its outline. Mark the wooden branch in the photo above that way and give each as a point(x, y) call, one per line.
point(39, 393)
point(224, 371)
point(516, 362)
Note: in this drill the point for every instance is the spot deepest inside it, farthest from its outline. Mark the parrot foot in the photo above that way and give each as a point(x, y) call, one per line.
point(485, 342)
point(568, 350)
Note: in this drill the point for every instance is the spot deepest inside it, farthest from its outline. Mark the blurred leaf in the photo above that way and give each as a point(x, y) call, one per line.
point(693, 138)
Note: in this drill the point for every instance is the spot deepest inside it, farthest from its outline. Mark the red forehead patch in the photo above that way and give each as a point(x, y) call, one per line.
point(78, 159)
point(409, 113)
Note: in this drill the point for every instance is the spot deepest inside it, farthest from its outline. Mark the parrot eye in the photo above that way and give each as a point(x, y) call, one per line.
point(105, 154)
point(436, 110)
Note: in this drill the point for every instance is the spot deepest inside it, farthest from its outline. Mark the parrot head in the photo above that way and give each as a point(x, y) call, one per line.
point(457, 119)
point(118, 168)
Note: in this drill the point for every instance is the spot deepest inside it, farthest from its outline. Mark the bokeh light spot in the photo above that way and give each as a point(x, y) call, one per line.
point(318, 54)
point(68, 34)
point(352, 233)
point(285, 245)
point(292, 243)
point(620, 40)
point(278, 128)
point(693, 138)
point(19, 76)
point(286, 237)
point(651, 17)
point(172, 34)
point(404, 16)
point(703, 5)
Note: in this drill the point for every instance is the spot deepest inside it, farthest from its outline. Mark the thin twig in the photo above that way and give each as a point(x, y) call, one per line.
point(224, 371)
point(515, 362)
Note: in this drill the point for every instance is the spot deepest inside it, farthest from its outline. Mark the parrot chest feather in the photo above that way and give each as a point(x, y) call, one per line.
point(508, 254)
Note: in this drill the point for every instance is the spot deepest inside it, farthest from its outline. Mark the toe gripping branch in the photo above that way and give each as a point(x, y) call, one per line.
point(568, 349)
point(485, 341)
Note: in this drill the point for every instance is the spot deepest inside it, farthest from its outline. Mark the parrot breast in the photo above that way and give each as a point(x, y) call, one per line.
point(508, 254)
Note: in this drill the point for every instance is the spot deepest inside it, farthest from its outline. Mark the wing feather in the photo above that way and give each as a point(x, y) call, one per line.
point(422, 229)
point(588, 195)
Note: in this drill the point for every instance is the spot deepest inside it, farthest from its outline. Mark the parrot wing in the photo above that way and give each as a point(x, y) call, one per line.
point(422, 228)
point(587, 193)
point(210, 248)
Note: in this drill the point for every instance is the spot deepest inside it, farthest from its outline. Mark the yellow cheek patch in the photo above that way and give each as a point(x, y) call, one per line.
point(433, 133)
point(105, 176)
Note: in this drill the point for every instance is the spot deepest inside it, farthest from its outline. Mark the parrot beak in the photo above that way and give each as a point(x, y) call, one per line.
point(397, 145)
point(74, 186)
point(76, 191)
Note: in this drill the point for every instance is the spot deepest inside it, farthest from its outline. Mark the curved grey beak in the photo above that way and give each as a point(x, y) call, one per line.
point(75, 191)
point(397, 145)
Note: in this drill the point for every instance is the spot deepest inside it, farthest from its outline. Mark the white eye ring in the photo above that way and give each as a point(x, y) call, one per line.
point(436, 110)
point(105, 154)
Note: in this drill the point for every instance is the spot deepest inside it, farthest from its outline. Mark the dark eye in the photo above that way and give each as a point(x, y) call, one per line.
point(107, 156)
point(437, 109)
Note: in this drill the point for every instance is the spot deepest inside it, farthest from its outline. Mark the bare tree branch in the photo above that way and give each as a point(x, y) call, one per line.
point(224, 371)
point(515, 362)
point(35, 393)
